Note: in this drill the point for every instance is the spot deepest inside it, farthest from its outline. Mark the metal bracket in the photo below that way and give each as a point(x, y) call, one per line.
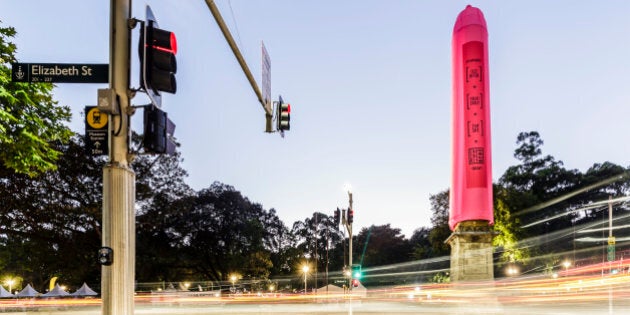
point(107, 101)
point(132, 23)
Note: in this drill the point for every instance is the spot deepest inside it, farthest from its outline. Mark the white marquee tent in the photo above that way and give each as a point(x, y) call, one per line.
point(28, 291)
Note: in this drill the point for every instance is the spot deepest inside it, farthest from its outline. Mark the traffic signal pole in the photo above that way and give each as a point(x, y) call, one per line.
point(118, 226)
point(349, 227)
point(346, 222)
point(241, 61)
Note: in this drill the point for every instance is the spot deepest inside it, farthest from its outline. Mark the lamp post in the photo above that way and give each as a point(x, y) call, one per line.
point(233, 278)
point(305, 270)
point(10, 283)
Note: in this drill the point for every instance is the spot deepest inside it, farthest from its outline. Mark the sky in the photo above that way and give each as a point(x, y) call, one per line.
point(369, 83)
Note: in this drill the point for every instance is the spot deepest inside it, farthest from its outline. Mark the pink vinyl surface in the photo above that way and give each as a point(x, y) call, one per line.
point(471, 186)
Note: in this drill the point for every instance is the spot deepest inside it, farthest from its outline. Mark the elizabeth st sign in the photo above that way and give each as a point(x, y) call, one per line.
point(96, 135)
point(59, 73)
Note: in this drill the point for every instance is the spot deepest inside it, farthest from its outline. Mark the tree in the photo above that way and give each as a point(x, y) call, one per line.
point(279, 242)
point(420, 243)
point(31, 123)
point(315, 238)
point(542, 205)
point(440, 230)
point(50, 224)
point(507, 227)
point(381, 245)
point(210, 234)
point(536, 180)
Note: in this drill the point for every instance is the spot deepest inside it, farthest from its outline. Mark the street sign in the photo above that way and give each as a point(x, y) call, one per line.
point(611, 252)
point(59, 73)
point(96, 131)
point(611, 248)
point(266, 75)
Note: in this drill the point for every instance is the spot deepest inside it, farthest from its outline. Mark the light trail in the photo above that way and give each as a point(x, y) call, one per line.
point(574, 193)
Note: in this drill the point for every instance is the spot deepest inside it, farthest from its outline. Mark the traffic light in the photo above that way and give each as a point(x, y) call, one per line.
point(337, 216)
point(158, 65)
point(355, 283)
point(105, 256)
point(284, 115)
point(350, 216)
point(356, 271)
point(158, 131)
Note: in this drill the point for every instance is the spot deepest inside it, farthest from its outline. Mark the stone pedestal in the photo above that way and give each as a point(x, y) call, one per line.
point(471, 252)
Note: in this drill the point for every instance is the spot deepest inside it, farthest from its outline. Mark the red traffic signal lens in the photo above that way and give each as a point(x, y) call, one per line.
point(163, 40)
point(173, 41)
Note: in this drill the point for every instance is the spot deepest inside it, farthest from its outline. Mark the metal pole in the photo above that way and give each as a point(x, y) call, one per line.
point(610, 233)
point(316, 239)
point(349, 226)
point(241, 61)
point(118, 227)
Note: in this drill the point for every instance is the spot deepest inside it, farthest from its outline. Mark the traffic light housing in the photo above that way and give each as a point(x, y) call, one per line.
point(105, 256)
point(158, 131)
point(350, 216)
point(356, 271)
point(337, 216)
point(284, 115)
point(158, 65)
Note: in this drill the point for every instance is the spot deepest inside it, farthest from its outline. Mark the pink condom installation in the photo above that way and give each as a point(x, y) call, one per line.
point(471, 186)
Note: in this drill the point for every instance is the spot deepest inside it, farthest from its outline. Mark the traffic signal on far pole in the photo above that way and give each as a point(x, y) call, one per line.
point(284, 115)
point(158, 131)
point(356, 274)
point(157, 59)
point(356, 271)
point(337, 216)
point(350, 216)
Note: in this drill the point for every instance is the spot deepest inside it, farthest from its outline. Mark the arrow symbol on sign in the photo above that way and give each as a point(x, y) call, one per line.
point(97, 144)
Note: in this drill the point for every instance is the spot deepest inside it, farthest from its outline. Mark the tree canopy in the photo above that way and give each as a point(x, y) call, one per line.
point(31, 122)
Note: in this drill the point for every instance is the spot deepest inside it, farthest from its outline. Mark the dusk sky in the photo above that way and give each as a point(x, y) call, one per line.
point(369, 83)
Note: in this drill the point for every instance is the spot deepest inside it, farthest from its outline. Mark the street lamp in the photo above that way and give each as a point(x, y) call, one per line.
point(512, 271)
point(305, 270)
point(10, 283)
point(233, 278)
point(566, 265)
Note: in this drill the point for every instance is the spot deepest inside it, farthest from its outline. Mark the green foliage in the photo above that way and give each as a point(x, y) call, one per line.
point(380, 245)
point(45, 220)
point(30, 121)
point(312, 237)
point(206, 236)
point(506, 242)
point(440, 230)
point(441, 277)
point(421, 246)
point(187, 235)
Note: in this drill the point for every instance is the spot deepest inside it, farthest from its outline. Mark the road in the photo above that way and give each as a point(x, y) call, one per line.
point(355, 308)
point(590, 294)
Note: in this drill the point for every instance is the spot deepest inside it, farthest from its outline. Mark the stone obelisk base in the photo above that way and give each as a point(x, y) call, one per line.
point(471, 251)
